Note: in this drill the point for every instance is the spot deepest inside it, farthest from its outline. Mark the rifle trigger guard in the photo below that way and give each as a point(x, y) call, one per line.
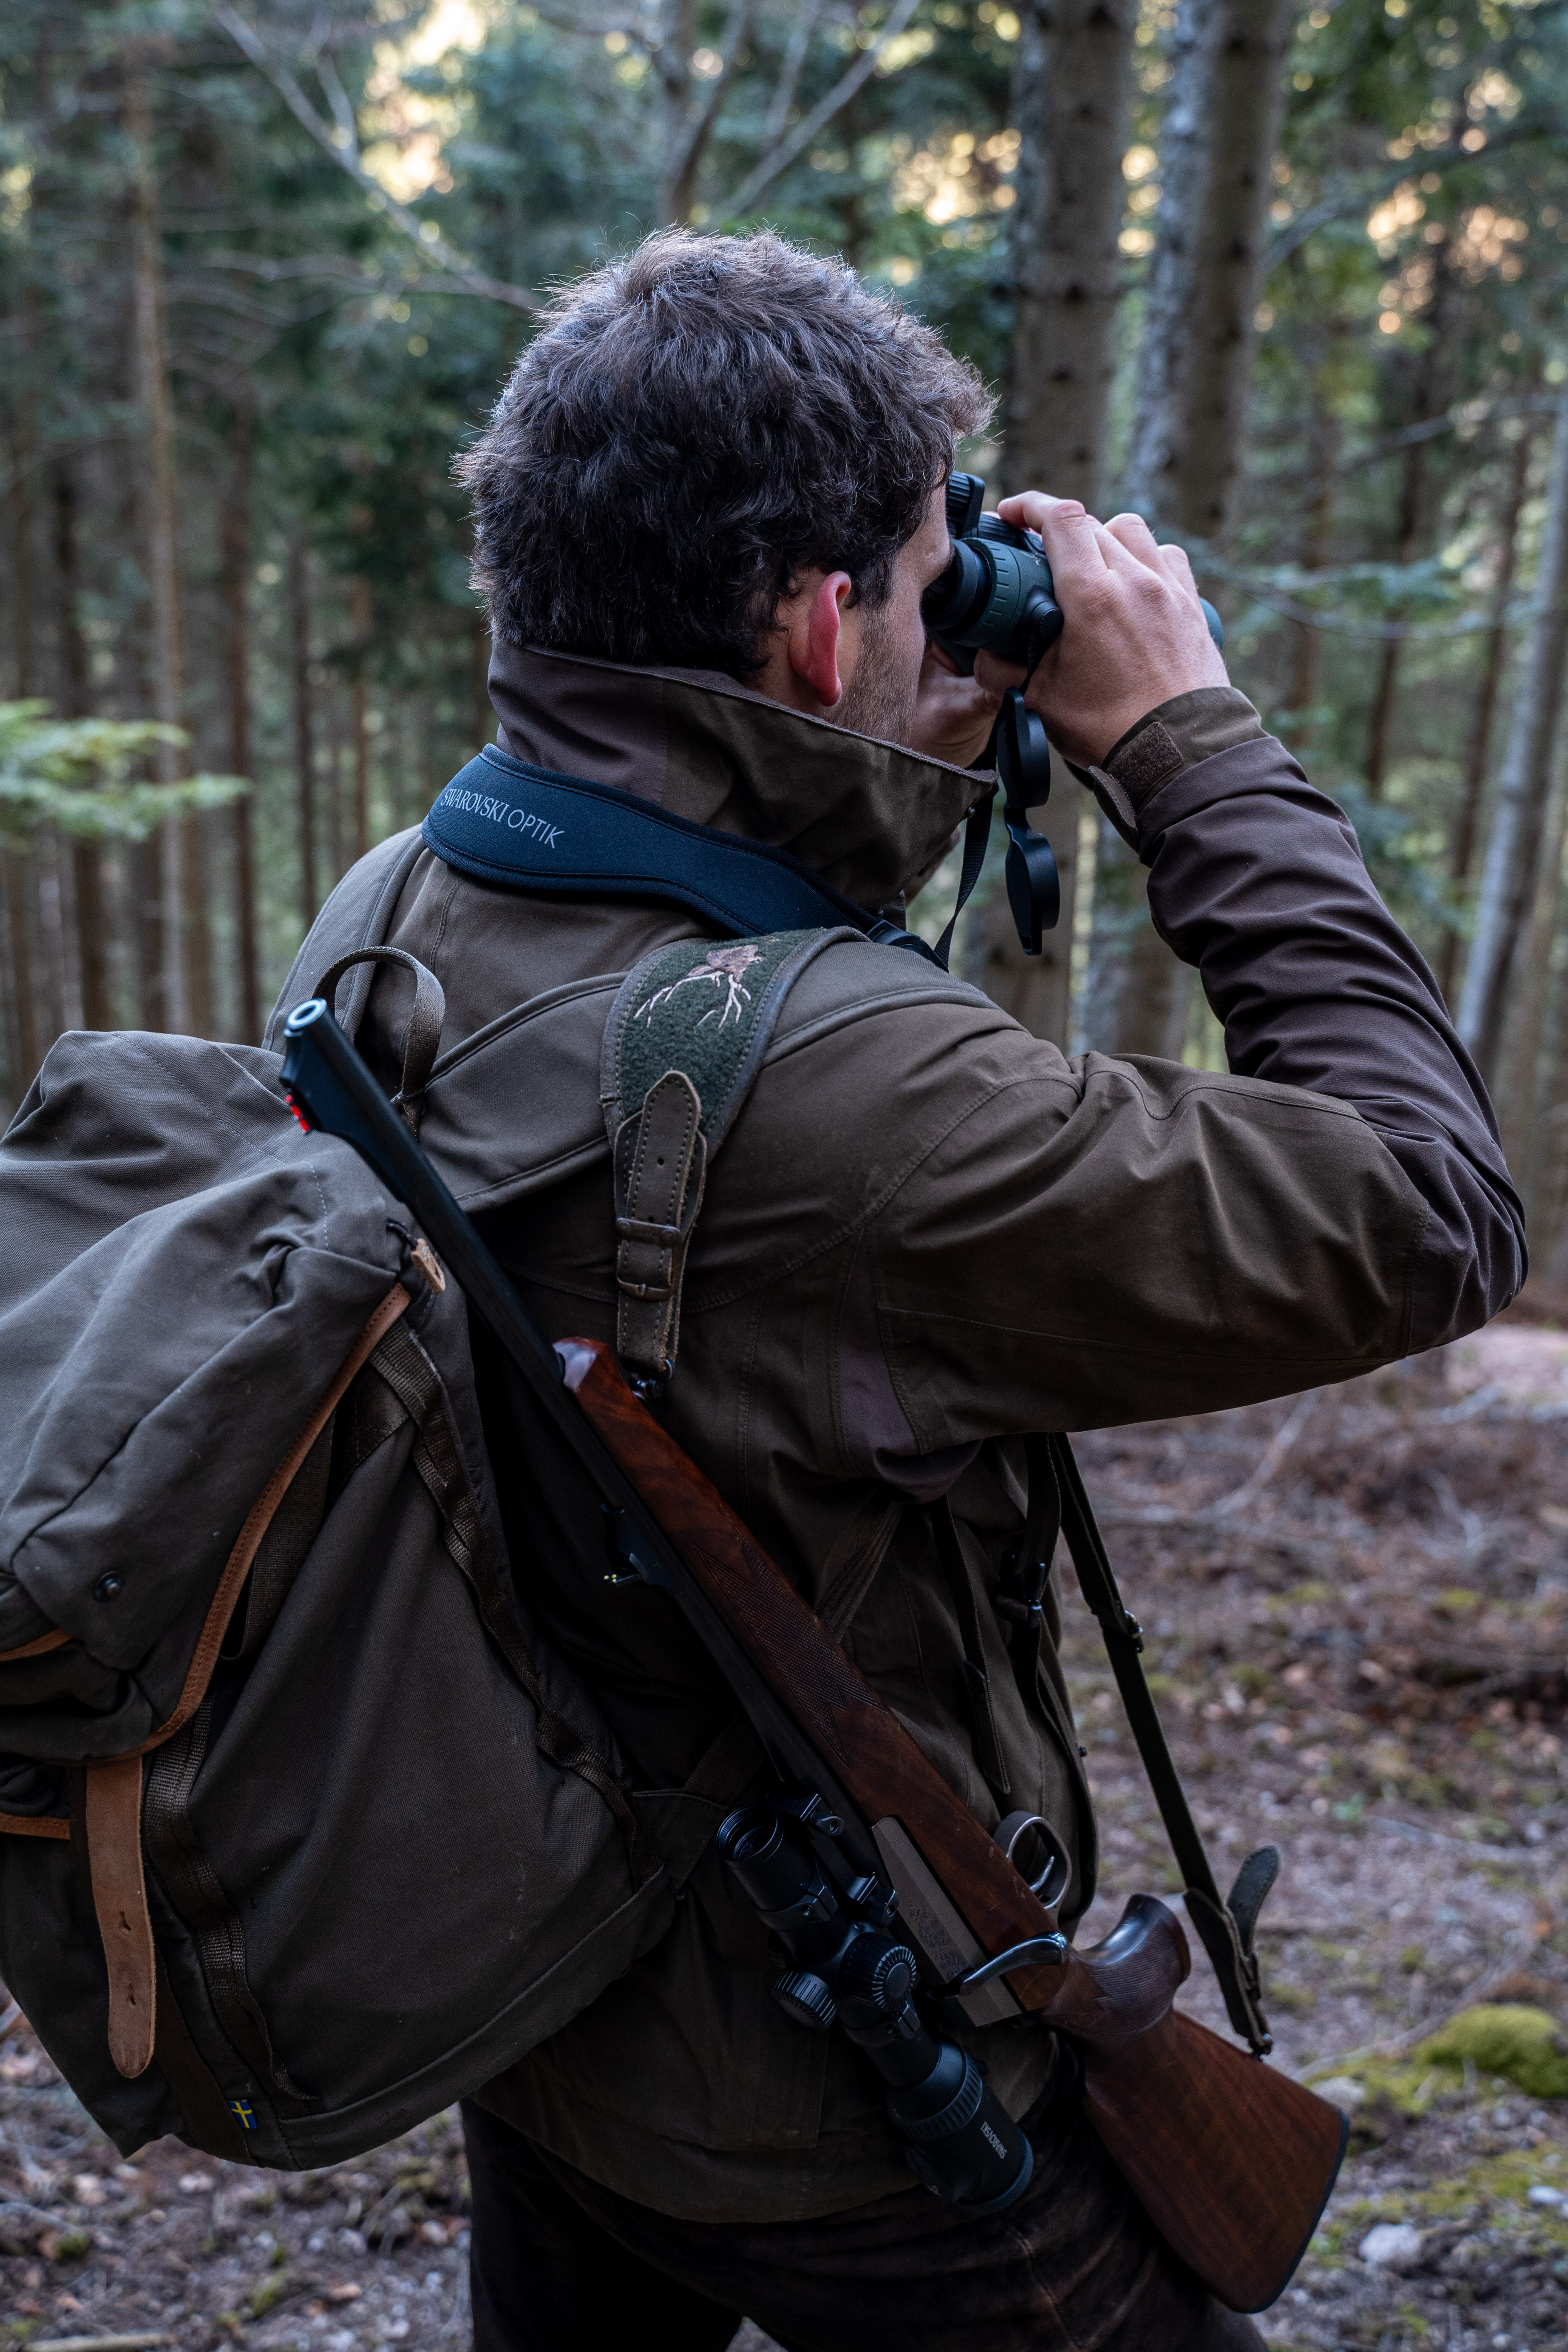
point(1047, 1870)
point(1038, 1950)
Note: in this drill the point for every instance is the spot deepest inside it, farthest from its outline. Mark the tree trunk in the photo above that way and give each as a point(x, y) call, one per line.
point(1138, 996)
point(1072, 81)
point(1519, 1061)
point(1493, 663)
point(1513, 851)
point(1324, 437)
point(672, 63)
point(186, 956)
point(304, 735)
point(234, 525)
point(86, 857)
point(1071, 85)
point(24, 459)
point(1549, 1205)
point(337, 857)
point(484, 716)
point(52, 934)
point(1412, 482)
point(1216, 154)
point(19, 871)
point(20, 945)
point(1412, 529)
point(360, 623)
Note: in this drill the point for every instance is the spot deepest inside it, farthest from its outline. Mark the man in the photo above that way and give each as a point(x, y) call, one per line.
point(709, 503)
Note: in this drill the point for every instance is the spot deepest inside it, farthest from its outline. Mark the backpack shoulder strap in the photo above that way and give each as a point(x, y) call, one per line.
point(685, 1040)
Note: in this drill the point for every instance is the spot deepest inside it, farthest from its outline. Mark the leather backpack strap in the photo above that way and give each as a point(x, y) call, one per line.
point(1226, 1928)
point(114, 1810)
point(661, 1159)
point(685, 1036)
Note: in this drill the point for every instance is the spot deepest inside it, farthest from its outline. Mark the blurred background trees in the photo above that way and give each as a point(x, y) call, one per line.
point(1291, 280)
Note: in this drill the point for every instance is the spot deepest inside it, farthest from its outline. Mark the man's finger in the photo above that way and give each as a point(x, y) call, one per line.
point(1072, 535)
point(1132, 533)
point(1179, 564)
point(994, 676)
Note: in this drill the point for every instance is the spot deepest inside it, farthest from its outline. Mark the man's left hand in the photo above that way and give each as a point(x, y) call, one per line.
point(953, 714)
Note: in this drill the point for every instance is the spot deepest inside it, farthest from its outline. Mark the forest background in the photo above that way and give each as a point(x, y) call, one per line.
point(1290, 282)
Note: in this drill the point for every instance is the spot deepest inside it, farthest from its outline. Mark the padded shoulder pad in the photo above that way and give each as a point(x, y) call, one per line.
point(707, 1009)
point(685, 1038)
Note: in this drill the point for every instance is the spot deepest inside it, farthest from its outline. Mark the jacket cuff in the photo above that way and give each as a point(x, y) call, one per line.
point(1168, 739)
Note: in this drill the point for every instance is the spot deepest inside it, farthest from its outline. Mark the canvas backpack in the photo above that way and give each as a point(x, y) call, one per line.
point(304, 1832)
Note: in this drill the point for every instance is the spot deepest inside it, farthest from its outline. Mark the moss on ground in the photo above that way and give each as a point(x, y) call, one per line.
point(1494, 2046)
point(1524, 2045)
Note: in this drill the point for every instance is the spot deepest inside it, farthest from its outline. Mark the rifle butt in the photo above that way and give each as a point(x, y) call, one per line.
point(1232, 2161)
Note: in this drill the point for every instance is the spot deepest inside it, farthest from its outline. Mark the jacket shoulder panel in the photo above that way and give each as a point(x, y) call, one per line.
point(356, 915)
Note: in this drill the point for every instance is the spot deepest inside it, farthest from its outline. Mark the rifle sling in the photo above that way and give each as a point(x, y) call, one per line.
point(1229, 1948)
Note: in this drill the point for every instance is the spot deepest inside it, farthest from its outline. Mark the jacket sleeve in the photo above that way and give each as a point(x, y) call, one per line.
point(1257, 880)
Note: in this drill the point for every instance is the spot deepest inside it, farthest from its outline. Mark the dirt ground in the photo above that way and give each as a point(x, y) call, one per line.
point(1356, 1606)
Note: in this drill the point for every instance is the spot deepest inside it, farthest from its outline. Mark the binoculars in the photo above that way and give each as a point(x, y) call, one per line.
point(997, 594)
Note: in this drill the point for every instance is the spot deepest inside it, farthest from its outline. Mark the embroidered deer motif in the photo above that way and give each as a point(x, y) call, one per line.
point(721, 969)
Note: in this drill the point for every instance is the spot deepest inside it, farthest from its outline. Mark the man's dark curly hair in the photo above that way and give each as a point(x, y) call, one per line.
point(693, 427)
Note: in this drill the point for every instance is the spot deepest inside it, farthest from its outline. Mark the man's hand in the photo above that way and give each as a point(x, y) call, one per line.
point(953, 714)
point(1135, 635)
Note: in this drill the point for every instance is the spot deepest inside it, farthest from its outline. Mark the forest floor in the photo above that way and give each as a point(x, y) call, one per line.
point(1356, 1606)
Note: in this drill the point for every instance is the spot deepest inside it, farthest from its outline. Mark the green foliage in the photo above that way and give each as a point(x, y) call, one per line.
point(80, 775)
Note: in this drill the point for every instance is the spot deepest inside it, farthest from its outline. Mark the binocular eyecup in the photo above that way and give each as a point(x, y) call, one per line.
point(959, 2140)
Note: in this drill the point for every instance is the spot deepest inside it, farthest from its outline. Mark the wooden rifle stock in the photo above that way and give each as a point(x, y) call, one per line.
point(1232, 2161)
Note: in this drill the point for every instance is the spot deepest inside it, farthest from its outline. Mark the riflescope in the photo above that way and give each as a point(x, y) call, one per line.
point(958, 2137)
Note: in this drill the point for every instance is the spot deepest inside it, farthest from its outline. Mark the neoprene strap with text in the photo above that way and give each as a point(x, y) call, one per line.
point(502, 820)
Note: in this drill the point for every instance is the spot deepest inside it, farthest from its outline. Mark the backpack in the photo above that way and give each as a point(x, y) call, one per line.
point(304, 1832)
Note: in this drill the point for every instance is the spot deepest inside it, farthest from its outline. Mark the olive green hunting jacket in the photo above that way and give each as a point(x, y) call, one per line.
point(927, 1235)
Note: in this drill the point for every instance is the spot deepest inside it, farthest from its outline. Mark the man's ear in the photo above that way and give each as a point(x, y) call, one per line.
point(813, 639)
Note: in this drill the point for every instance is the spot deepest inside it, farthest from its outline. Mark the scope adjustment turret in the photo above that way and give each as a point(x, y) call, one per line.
point(878, 1972)
point(806, 1999)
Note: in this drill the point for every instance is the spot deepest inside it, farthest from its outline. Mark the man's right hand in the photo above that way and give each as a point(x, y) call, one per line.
point(1135, 636)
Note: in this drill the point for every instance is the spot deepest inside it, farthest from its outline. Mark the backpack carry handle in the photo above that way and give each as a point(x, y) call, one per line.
point(421, 1038)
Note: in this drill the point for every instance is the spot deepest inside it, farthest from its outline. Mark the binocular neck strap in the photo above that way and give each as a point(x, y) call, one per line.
point(976, 833)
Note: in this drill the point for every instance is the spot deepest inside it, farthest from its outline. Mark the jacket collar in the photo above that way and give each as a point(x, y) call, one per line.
point(872, 819)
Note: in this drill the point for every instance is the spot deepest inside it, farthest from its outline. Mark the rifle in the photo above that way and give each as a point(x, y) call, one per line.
point(1232, 2161)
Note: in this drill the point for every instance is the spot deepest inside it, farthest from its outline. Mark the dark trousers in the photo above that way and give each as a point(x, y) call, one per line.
point(560, 2265)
